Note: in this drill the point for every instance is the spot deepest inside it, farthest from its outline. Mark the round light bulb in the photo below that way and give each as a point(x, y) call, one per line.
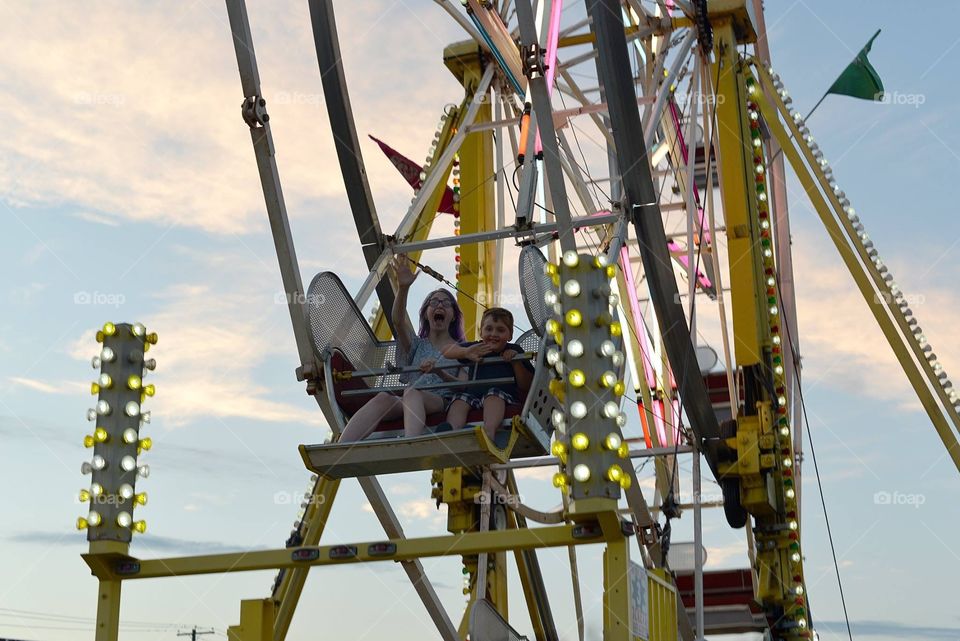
point(558, 449)
point(615, 329)
point(608, 379)
point(571, 288)
point(607, 348)
point(614, 473)
point(577, 378)
point(617, 358)
point(138, 330)
point(93, 518)
point(611, 409)
point(95, 362)
point(124, 519)
point(790, 493)
point(580, 441)
point(574, 318)
point(84, 496)
point(129, 435)
point(139, 526)
point(128, 463)
point(581, 472)
point(622, 419)
point(145, 444)
point(557, 418)
point(126, 491)
point(575, 348)
point(578, 409)
point(140, 499)
point(612, 441)
point(132, 408)
point(107, 355)
point(550, 298)
point(98, 462)
point(103, 408)
point(559, 480)
point(105, 381)
point(570, 258)
point(143, 471)
point(134, 382)
point(96, 489)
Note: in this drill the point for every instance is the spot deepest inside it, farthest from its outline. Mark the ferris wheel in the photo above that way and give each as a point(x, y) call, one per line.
point(630, 159)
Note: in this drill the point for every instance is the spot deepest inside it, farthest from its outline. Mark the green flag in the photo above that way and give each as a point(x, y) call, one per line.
point(860, 79)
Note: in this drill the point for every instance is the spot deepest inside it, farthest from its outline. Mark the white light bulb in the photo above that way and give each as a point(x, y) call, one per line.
point(125, 490)
point(581, 472)
point(129, 435)
point(550, 297)
point(575, 348)
point(611, 409)
point(132, 408)
point(143, 471)
point(570, 258)
point(103, 408)
point(107, 355)
point(95, 362)
point(607, 348)
point(553, 356)
point(578, 409)
point(622, 419)
point(571, 288)
point(124, 519)
point(98, 462)
point(128, 463)
point(93, 518)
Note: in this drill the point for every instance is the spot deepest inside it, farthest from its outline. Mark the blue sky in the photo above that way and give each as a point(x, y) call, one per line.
point(129, 192)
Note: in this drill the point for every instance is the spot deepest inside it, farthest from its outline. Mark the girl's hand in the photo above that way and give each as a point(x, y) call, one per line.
point(427, 365)
point(402, 269)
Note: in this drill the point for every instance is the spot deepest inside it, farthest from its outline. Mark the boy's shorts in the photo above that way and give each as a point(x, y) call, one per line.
point(475, 399)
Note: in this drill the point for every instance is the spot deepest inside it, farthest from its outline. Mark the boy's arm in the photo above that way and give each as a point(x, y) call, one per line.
point(523, 375)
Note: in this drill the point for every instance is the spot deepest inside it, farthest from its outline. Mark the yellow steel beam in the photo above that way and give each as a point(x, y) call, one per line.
point(256, 621)
point(291, 585)
point(108, 610)
point(479, 280)
point(883, 315)
point(406, 549)
point(751, 332)
point(616, 592)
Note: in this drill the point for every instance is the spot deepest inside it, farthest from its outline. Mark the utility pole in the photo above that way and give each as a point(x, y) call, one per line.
point(195, 633)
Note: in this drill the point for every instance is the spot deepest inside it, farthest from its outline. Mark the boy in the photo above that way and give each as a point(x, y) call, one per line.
point(496, 330)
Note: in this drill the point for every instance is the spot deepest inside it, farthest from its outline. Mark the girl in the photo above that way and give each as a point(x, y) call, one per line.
point(441, 325)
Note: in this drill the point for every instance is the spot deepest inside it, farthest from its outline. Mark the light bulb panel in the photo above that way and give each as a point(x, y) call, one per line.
point(592, 408)
point(117, 433)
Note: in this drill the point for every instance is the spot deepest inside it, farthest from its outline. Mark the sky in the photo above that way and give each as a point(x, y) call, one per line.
point(129, 192)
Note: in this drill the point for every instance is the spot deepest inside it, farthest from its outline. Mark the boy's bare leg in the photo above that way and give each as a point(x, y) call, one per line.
point(493, 411)
point(457, 414)
point(365, 420)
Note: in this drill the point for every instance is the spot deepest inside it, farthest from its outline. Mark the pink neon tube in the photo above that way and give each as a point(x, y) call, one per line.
point(553, 37)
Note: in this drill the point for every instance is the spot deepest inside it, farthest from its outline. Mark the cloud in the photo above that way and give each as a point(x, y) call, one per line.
point(160, 137)
point(152, 544)
point(37, 386)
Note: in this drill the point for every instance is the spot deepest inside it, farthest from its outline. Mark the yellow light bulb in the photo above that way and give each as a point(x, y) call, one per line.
point(100, 435)
point(109, 329)
point(559, 449)
point(555, 387)
point(145, 443)
point(574, 318)
point(84, 496)
point(559, 480)
point(133, 382)
point(624, 450)
point(82, 523)
point(608, 379)
point(580, 441)
point(139, 526)
point(611, 271)
point(552, 326)
point(550, 269)
point(152, 338)
point(615, 329)
point(140, 499)
point(150, 390)
point(577, 378)
point(614, 473)
point(94, 389)
point(619, 388)
point(99, 336)
point(88, 440)
point(626, 481)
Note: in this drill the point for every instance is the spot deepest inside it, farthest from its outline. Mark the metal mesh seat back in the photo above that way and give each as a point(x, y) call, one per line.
point(337, 323)
point(540, 402)
point(529, 341)
point(534, 283)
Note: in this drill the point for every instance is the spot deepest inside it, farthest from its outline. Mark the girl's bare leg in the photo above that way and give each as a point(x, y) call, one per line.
point(416, 405)
point(493, 411)
point(457, 414)
point(381, 407)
